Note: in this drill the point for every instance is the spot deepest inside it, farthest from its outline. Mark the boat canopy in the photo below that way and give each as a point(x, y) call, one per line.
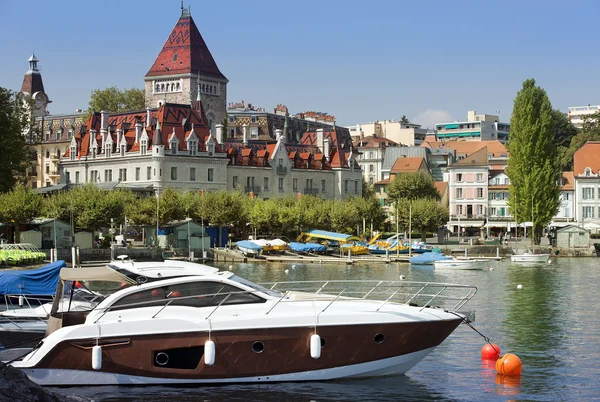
point(94, 274)
point(324, 234)
point(248, 244)
point(41, 281)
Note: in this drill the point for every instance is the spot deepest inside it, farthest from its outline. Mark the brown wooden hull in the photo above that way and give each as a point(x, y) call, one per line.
point(238, 355)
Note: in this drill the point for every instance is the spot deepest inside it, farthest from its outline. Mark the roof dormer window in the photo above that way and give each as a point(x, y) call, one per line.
point(174, 147)
point(211, 149)
point(143, 146)
point(587, 172)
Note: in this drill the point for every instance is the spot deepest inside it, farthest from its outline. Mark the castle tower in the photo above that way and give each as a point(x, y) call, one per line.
point(183, 65)
point(33, 88)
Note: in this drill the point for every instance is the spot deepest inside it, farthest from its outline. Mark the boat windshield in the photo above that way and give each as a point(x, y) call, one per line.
point(255, 286)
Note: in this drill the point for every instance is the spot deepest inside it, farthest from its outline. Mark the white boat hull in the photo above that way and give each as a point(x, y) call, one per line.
point(530, 258)
point(391, 366)
point(476, 265)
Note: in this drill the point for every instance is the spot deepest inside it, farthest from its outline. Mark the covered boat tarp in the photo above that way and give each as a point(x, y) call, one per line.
point(428, 258)
point(247, 244)
point(41, 281)
point(307, 247)
point(324, 234)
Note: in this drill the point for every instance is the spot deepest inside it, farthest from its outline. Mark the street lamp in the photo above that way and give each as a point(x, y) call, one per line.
point(157, 198)
point(188, 219)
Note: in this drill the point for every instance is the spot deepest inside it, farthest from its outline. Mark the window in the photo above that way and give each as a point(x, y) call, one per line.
point(123, 149)
point(76, 177)
point(479, 193)
point(355, 186)
point(94, 176)
point(253, 133)
point(47, 154)
point(173, 147)
point(211, 174)
point(73, 153)
point(295, 184)
point(459, 177)
point(370, 155)
point(148, 173)
point(459, 209)
point(232, 133)
point(588, 212)
point(479, 177)
point(479, 209)
point(235, 181)
point(192, 174)
point(371, 168)
point(588, 193)
point(506, 181)
point(323, 185)
point(492, 196)
point(122, 174)
point(280, 183)
point(280, 162)
point(68, 177)
point(211, 149)
point(137, 173)
point(144, 147)
point(493, 211)
point(108, 150)
point(345, 186)
point(588, 171)
point(47, 169)
point(566, 196)
point(253, 119)
point(173, 173)
point(266, 185)
point(108, 175)
point(216, 293)
point(459, 193)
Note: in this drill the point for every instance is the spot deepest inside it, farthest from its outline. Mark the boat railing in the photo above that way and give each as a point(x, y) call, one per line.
point(449, 296)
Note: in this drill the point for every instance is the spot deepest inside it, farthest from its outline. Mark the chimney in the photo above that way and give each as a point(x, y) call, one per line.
point(119, 134)
point(148, 116)
point(104, 120)
point(219, 130)
point(245, 138)
point(326, 150)
point(320, 139)
point(278, 134)
point(138, 130)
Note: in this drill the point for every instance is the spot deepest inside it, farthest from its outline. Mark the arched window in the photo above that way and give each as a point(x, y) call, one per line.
point(58, 153)
point(172, 87)
point(157, 88)
point(588, 171)
point(203, 88)
point(211, 89)
point(162, 88)
point(177, 86)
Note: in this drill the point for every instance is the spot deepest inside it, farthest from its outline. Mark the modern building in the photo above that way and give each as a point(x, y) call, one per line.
point(577, 114)
point(371, 154)
point(262, 125)
point(477, 127)
point(185, 68)
point(403, 133)
point(468, 195)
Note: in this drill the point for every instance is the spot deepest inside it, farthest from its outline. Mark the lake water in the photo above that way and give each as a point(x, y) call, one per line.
point(552, 324)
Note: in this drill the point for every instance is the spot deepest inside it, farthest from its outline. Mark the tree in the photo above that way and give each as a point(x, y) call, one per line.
point(533, 167)
point(19, 206)
point(13, 147)
point(404, 119)
point(563, 130)
point(368, 189)
point(115, 100)
point(412, 186)
point(421, 215)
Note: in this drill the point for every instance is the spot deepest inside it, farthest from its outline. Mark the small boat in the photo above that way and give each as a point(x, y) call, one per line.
point(428, 258)
point(218, 328)
point(249, 248)
point(355, 248)
point(528, 257)
point(456, 263)
point(309, 247)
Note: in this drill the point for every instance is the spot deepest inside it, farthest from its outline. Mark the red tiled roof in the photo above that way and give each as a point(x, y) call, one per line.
point(405, 165)
point(477, 158)
point(587, 156)
point(185, 52)
point(372, 141)
point(441, 187)
point(494, 147)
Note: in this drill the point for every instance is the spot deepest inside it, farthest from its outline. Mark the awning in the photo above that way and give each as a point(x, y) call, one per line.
point(323, 234)
point(93, 274)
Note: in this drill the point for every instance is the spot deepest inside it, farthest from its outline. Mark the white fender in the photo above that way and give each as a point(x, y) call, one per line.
point(209, 353)
point(315, 346)
point(21, 300)
point(97, 357)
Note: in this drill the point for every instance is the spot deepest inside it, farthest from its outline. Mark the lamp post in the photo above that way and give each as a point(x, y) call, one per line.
point(397, 234)
point(202, 226)
point(188, 219)
point(157, 198)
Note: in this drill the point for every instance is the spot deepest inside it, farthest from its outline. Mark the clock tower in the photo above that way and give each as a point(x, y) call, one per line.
point(32, 90)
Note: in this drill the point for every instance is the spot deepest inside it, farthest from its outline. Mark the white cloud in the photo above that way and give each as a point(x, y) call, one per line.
point(430, 117)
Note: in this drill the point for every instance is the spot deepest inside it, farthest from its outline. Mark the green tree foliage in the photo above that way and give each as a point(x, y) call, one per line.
point(412, 186)
point(589, 132)
point(141, 212)
point(533, 167)
point(426, 215)
point(171, 207)
point(19, 206)
point(13, 147)
point(404, 119)
point(115, 100)
point(368, 189)
point(563, 130)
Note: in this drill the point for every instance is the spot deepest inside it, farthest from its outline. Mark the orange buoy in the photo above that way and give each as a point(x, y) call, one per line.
point(490, 351)
point(509, 364)
point(77, 284)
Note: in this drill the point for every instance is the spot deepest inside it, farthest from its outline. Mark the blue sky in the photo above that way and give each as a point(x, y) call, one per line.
point(360, 61)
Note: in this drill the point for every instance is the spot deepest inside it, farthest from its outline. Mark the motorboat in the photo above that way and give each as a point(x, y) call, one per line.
point(307, 248)
point(459, 263)
point(528, 257)
point(249, 248)
point(428, 258)
point(216, 328)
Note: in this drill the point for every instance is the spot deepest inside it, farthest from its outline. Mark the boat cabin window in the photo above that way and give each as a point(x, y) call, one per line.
point(193, 294)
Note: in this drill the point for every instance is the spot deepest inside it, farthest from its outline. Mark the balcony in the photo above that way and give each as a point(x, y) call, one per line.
point(54, 158)
point(281, 169)
point(311, 191)
point(33, 174)
point(467, 216)
point(54, 173)
point(252, 189)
